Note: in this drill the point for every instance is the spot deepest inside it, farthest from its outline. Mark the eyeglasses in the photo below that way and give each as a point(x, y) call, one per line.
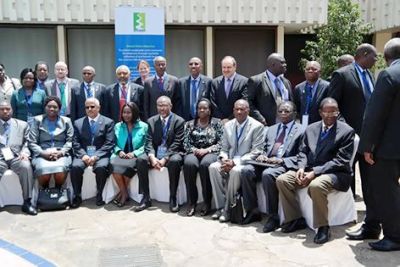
point(87, 73)
point(330, 113)
point(90, 107)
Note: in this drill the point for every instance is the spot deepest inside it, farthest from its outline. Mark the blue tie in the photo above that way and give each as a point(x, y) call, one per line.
point(308, 98)
point(193, 100)
point(367, 88)
point(89, 91)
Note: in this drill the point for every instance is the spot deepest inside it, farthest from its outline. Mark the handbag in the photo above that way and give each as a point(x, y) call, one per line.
point(238, 213)
point(53, 199)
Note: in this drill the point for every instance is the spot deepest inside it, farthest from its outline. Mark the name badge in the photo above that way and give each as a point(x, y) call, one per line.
point(91, 150)
point(7, 153)
point(304, 120)
point(161, 151)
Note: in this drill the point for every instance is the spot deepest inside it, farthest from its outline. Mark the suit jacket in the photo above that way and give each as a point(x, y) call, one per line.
point(175, 135)
point(222, 106)
point(300, 99)
point(380, 130)
point(346, 88)
point(291, 145)
point(250, 144)
point(262, 97)
point(17, 138)
point(152, 93)
point(103, 140)
point(40, 138)
point(139, 132)
point(78, 99)
point(203, 92)
point(112, 104)
point(20, 108)
point(73, 85)
point(329, 156)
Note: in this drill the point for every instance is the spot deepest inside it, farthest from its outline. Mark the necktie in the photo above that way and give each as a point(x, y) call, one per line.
point(308, 98)
point(193, 100)
point(161, 84)
point(92, 127)
point(324, 133)
point(228, 84)
point(367, 88)
point(89, 91)
point(279, 94)
point(61, 86)
point(279, 142)
point(122, 99)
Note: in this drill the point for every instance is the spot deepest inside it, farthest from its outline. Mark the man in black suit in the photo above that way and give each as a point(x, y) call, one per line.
point(124, 91)
point(323, 166)
point(88, 89)
point(309, 94)
point(380, 145)
point(352, 86)
point(227, 89)
point(161, 84)
point(164, 143)
point(193, 88)
point(92, 144)
point(267, 89)
point(282, 144)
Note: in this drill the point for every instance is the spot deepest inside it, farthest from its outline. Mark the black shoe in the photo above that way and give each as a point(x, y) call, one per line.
point(363, 233)
point(28, 209)
point(99, 200)
point(252, 216)
point(271, 225)
point(76, 203)
point(385, 244)
point(191, 210)
point(322, 235)
point(294, 225)
point(173, 205)
point(144, 204)
point(205, 210)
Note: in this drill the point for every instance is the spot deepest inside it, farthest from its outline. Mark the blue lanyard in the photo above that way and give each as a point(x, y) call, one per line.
point(240, 133)
point(7, 132)
point(165, 130)
point(52, 128)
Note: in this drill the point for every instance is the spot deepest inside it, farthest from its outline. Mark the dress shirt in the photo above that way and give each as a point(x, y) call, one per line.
point(272, 78)
point(359, 73)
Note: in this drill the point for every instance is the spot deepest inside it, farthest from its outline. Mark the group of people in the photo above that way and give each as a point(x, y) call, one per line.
point(231, 130)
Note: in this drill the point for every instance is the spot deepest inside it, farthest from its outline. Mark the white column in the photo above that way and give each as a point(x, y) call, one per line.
point(280, 39)
point(209, 51)
point(61, 43)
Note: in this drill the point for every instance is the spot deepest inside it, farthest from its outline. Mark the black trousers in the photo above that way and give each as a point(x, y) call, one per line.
point(191, 166)
point(100, 169)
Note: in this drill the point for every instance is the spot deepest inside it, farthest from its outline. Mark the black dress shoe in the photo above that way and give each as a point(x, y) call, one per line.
point(385, 244)
point(294, 225)
point(143, 205)
point(363, 233)
point(205, 210)
point(173, 205)
point(322, 235)
point(191, 210)
point(76, 203)
point(28, 209)
point(271, 225)
point(99, 200)
point(252, 216)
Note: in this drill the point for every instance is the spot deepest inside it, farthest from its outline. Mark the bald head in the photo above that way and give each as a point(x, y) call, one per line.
point(60, 70)
point(88, 73)
point(391, 50)
point(276, 64)
point(344, 60)
point(366, 55)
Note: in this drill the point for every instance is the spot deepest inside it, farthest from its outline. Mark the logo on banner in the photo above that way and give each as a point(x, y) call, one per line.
point(139, 22)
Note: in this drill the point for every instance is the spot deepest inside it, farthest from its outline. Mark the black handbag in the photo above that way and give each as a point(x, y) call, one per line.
point(53, 199)
point(238, 213)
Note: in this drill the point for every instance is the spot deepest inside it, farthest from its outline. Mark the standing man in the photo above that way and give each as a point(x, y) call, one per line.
point(62, 87)
point(193, 88)
point(164, 145)
point(42, 74)
point(227, 89)
point(161, 84)
point(15, 153)
point(122, 92)
point(268, 89)
point(242, 141)
point(7, 85)
point(309, 94)
point(380, 146)
point(92, 144)
point(88, 89)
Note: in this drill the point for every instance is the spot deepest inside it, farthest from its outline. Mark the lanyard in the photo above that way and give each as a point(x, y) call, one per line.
point(7, 132)
point(165, 130)
point(240, 134)
point(52, 128)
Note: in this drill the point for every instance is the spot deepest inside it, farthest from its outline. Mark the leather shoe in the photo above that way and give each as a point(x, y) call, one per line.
point(191, 210)
point(271, 225)
point(28, 209)
point(173, 205)
point(362, 233)
point(224, 217)
point(294, 225)
point(99, 200)
point(205, 210)
point(385, 244)
point(252, 216)
point(216, 215)
point(76, 203)
point(322, 235)
point(144, 204)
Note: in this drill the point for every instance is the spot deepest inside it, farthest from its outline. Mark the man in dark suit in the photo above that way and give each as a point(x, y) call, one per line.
point(62, 87)
point(92, 144)
point(117, 94)
point(352, 86)
point(323, 165)
point(88, 89)
point(309, 94)
point(227, 89)
point(163, 149)
point(266, 90)
point(282, 144)
point(193, 88)
point(159, 85)
point(380, 145)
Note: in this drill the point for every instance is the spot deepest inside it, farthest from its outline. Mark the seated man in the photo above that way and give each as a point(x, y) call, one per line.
point(93, 143)
point(282, 144)
point(242, 141)
point(164, 145)
point(323, 165)
point(15, 153)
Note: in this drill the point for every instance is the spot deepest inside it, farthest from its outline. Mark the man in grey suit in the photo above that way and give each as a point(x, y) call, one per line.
point(282, 145)
point(323, 165)
point(266, 90)
point(62, 87)
point(227, 89)
point(309, 94)
point(242, 141)
point(193, 88)
point(161, 84)
point(15, 153)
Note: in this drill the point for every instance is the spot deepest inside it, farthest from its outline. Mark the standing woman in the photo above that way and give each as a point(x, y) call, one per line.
point(130, 136)
point(144, 70)
point(50, 140)
point(28, 102)
point(202, 143)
